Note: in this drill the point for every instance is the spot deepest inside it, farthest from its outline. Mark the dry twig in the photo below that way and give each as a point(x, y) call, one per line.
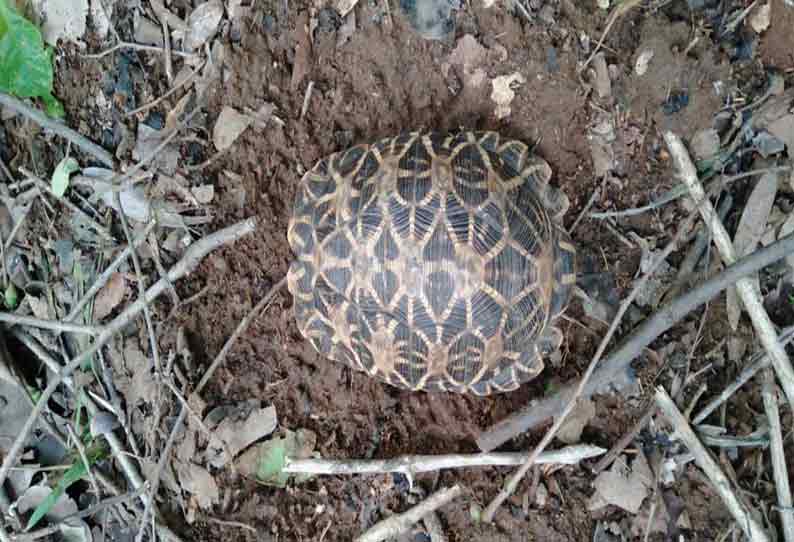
point(756, 363)
point(410, 465)
point(744, 286)
point(399, 523)
point(779, 469)
point(57, 128)
point(710, 467)
point(534, 415)
point(137, 47)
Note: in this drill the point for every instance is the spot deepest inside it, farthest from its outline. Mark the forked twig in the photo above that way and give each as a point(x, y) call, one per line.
point(721, 483)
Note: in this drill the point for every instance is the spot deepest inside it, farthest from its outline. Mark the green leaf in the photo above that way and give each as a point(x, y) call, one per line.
point(75, 473)
point(274, 452)
point(11, 296)
point(25, 62)
point(60, 177)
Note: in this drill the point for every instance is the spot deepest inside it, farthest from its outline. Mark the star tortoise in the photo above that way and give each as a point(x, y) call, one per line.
point(432, 261)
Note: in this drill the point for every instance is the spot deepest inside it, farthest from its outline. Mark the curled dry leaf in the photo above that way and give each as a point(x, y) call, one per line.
point(759, 21)
point(203, 24)
point(503, 93)
point(239, 434)
point(110, 296)
point(623, 487)
point(36, 495)
point(228, 127)
point(199, 482)
point(752, 225)
point(204, 194)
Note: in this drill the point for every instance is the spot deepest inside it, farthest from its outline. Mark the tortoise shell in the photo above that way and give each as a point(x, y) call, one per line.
point(432, 262)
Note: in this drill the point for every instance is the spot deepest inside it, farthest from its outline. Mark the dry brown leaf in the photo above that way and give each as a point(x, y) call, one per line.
point(111, 294)
point(238, 434)
point(199, 482)
point(202, 24)
point(623, 487)
point(228, 127)
point(751, 228)
point(470, 55)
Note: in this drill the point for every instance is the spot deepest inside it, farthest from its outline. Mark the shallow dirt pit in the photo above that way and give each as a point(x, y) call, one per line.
point(377, 81)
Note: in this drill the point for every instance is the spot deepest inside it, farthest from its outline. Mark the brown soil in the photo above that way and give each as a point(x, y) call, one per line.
point(385, 80)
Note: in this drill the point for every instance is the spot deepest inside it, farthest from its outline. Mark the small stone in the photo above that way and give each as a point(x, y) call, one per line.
point(706, 144)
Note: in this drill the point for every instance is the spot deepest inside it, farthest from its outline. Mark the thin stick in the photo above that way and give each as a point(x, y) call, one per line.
point(536, 414)
point(57, 128)
point(136, 263)
point(192, 257)
point(137, 47)
point(756, 363)
point(54, 325)
point(596, 193)
point(624, 441)
point(514, 480)
point(778, 456)
point(414, 464)
point(180, 84)
point(45, 189)
point(710, 467)
point(744, 286)
point(242, 326)
point(399, 523)
point(306, 98)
